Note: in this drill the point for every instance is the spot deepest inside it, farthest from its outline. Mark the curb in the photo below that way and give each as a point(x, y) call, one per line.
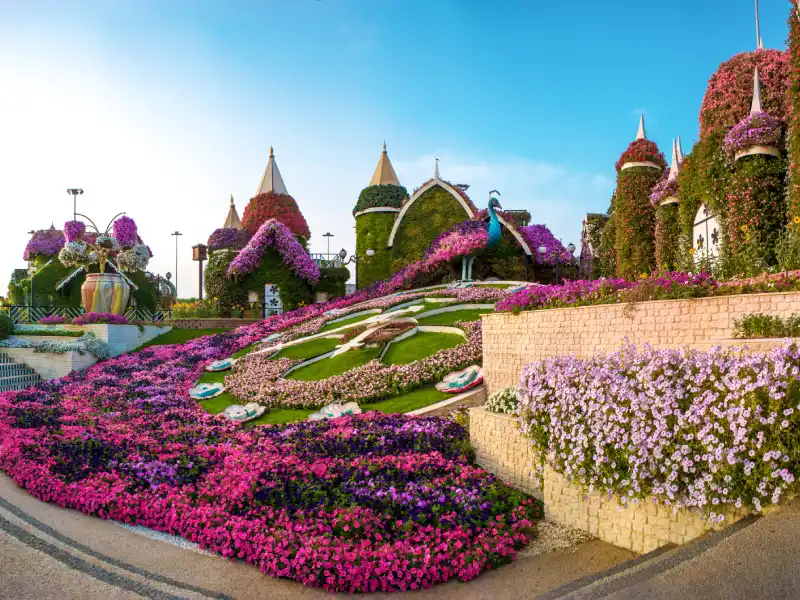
point(644, 567)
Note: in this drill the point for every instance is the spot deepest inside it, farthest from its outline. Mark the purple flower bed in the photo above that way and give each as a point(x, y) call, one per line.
point(274, 234)
point(95, 318)
point(663, 286)
point(759, 129)
point(698, 430)
point(45, 242)
point(52, 320)
point(228, 238)
point(360, 504)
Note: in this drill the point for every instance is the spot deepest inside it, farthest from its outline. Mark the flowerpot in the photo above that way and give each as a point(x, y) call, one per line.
point(753, 150)
point(643, 163)
point(105, 293)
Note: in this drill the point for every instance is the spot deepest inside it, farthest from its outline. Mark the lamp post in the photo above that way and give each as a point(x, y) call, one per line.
point(328, 235)
point(353, 259)
point(571, 250)
point(75, 192)
point(176, 233)
point(200, 253)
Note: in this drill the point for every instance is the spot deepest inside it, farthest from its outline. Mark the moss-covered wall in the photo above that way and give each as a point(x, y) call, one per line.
point(294, 291)
point(372, 231)
point(228, 294)
point(332, 281)
point(433, 212)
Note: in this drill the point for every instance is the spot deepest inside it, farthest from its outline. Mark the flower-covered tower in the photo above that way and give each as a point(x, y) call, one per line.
point(375, 212)
point(755, 210)
point(272, 201)
point(638, 170)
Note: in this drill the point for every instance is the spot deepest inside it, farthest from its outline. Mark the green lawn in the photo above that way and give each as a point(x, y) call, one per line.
point(328, 367)
point(344, 322)
point(408, 402)
point(451, 318)
point(420, 345)
point(399, 404)
point(309, 349)
point(180, 336)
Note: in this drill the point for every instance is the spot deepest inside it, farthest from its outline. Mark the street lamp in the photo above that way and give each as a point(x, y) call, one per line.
point(75, 192)
point(200, 253)
point(328, 235)
point(176, 234)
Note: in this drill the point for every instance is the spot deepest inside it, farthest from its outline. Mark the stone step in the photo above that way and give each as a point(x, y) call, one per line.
point(12, 366)
point(14, 387)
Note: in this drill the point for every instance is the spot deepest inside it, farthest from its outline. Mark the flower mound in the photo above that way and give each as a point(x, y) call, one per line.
point(665, 188)
point(540, 235)
point(642, 151)
point(730, 89)
point(702, 430)
point(758, 129)
point(274, 234)
point(284, 209)
point(361, 504)
point(228, 238)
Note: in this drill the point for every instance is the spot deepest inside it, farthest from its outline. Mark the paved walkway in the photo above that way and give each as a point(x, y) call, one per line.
point(50, 552)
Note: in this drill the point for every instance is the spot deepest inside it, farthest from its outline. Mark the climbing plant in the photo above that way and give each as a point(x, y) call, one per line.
point(635, 221)
point(372, 233)
point(793, 136)
point(667, 237)
point(228, 294)
point(431, 214)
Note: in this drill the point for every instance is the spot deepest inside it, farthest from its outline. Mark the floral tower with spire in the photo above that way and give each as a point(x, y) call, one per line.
point(375, 213)
point(272, 201)
point(638, 170)
point(665, 200)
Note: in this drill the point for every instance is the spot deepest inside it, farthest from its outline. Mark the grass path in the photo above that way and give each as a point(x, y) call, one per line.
point(180, 336)
point(328, 367)
point(350, 321)
point(309, 349)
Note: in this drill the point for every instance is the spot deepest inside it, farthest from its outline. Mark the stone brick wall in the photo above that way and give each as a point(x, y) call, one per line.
point(210, 323)
point(501, 449)
point(49, 365)
point(511, 341)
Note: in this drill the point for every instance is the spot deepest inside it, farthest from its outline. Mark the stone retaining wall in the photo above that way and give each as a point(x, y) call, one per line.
point(50, 365)
point(511, 341)
point(501, 449)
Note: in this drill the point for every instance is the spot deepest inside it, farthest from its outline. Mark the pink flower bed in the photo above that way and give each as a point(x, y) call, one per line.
point(95, 318)
point(360, 504)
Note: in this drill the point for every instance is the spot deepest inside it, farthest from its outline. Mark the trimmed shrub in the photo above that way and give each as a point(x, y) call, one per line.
point(376, 196)
point(6, 326)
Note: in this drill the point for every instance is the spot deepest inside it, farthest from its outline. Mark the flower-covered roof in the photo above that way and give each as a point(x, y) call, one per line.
point(642, 150)
point(274, 234)
point(730, 89)
point(280, 207)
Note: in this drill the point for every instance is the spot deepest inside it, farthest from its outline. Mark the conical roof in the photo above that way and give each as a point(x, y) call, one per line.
point(675, 166)
point(641, 134)
point(384, 172)
point(755, 105)
point(232, 221)
point(271, 181)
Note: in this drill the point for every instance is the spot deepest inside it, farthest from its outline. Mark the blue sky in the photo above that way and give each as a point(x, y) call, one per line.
point(164, 108)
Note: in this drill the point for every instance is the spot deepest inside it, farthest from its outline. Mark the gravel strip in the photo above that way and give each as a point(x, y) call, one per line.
point(552, 536)
point(166, 538)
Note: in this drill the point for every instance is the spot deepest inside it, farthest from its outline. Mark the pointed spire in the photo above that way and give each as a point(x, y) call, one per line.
point(232, 221)
point(759, 39)
point(641, 135)
point(675, 166)
point(755, 107)
point(272, 181)
point(384, 173)
point(436, 170)
point(680, 151)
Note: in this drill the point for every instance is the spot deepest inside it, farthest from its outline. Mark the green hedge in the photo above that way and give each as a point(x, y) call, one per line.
point(376, 196)
point(434, 212)
point(332, 281)
point(635, 221)
point(372, 232)
point(668, 238)
point(226, 293)
point(6, 327)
